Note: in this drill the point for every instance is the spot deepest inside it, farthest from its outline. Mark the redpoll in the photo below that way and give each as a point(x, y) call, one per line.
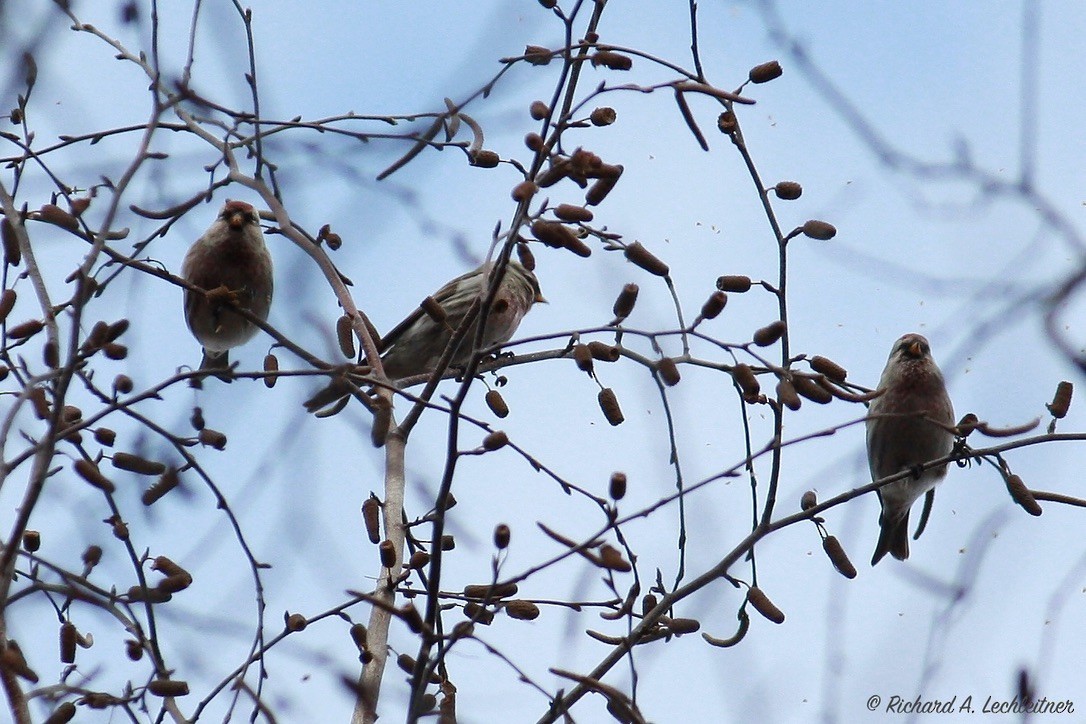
point(909, 424)
point(229, 262)
point(416, 344)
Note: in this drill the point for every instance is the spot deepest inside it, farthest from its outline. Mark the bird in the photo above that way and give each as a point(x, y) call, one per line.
point(414, 346)
point(910, 423)
point(232, 266)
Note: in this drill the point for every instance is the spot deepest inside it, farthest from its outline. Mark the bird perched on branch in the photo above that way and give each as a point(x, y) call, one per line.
point(909, 424)
point(232, 265)
point(416, 344)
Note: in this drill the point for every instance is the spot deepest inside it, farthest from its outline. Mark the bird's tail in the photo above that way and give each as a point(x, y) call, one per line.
point(893, 538)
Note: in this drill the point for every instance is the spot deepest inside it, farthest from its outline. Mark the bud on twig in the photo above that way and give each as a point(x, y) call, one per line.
point(31, 540)
point(524, 191)
point(600, 188)
point(495, 441)
point(68, 635)
point(168, 687)
point(7, 303)
point(808, 500)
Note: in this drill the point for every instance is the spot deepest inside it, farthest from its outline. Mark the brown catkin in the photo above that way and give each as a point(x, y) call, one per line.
point(31, 540)
point(604, 352)
point(748, 383)
point(137, 464)
point(296, 622)
point(828, 367)
point(611, 59)
point(345, 336)
point(714, 305)
point(166, 482)
point(603, 116)
point(538, 110)
point(485, 591)
point(643, 258)
point(68, 636)
point(7, 303)
point(787, 396)
point(485, 159)
point(609, 405)
point(808, 500)
point(495, 441)
point(765, 72)
point(763, 605)
point(90, 472)
point(788, 190)
point(820, 230)
point(611, 559)
point(212, 438)
point(524, 191)
point(271, 367)
point(573, 213)
point(582, 355)
point(734, 283)
point(668, 371)
point(64, 713)
point(599, 190)
point(617, 486)
point(1022, 495)
point(388, 553)
point(418, 560)
point(683, 625)
point(12, 253)
point(168, 687)
point(371, 516)
point(838, 557)
point(811, 390)
point(1061, 401)
point(496, 403)
point(522, 610)
point(27, 329)
point(769, 334)
point(624, 303)
point(501, 536)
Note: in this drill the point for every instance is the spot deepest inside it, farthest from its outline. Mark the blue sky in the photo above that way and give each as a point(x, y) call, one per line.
point(938, 83)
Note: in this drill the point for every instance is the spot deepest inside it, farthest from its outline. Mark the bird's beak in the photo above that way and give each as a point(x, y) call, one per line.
point(540, 299)
point(236, 220)
point(914, 350)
